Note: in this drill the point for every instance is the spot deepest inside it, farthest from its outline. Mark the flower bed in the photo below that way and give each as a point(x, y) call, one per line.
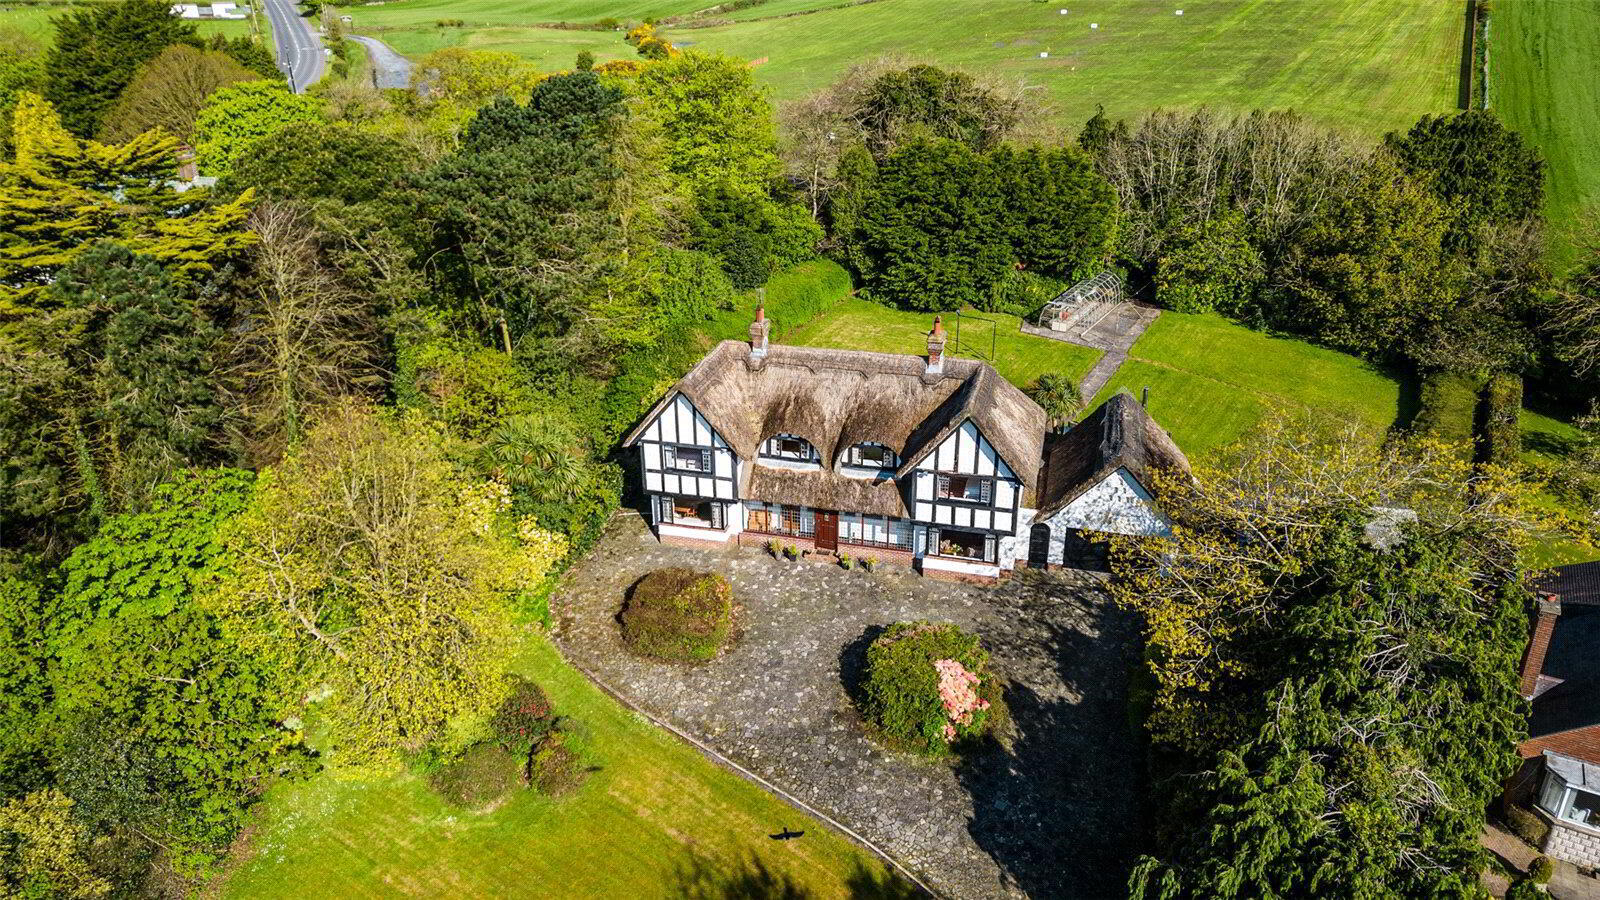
point(928, 688)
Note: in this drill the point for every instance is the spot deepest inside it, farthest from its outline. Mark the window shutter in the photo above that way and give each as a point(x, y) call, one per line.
point(989, 543)
point(944, 486)
point(986, 490)
point(705, 461)
point(716, 515)
point(664, 509)
point(933, 542)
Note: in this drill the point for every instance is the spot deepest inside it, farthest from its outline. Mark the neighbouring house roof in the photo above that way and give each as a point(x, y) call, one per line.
point(1120, 434)
point(1572, 672)
point(837, 398)
point(1578, 583)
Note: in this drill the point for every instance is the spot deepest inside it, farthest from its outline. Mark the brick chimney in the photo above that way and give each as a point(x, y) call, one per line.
point(758, 334)
point(936, 347)
point(1544, 625)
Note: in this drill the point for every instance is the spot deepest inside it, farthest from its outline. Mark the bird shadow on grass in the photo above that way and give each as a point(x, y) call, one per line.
point(753, 880)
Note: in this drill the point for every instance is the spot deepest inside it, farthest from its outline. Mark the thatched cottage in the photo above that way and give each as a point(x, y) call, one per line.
point(926, 460)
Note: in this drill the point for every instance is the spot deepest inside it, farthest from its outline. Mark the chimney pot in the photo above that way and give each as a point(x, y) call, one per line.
point(759, 330)
point(936, 347)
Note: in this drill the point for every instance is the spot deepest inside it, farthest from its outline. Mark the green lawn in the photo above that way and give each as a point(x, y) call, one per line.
point(1371, 65)
point(855, 324)
point(1543, 56)
point(1544, 437)
point(655, 820)
point(1210, 381)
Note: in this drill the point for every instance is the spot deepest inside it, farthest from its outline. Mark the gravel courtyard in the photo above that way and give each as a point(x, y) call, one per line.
point(1055, 814)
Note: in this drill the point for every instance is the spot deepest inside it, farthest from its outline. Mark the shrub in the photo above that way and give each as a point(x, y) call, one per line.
point(1523, 889)
point(804, 291)
point(1526, 824)
point(555, 769)
point(1541, 870)
point(523, 718)
point(928, 687)
point(678, 615)
point(485, 773)
point(1023, 294)
point(844, 560)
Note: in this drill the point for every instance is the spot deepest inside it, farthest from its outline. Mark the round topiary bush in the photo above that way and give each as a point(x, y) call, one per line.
point(1541, 870)
point(483, 775)
point(678, 615)
point(523, 717)
point(928, 687)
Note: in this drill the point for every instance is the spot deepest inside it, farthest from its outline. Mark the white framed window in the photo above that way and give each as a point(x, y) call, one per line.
point(679, 458)
point(790, 447)
point(690, 511)
point(1564, 798)
point(871, 455)
point(966, 488)
point(957, 543)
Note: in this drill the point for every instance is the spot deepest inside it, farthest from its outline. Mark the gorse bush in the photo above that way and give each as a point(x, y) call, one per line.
point(928, 687)
point(678, 615)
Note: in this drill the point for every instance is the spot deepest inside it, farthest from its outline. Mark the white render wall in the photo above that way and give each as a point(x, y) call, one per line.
point(680, 423)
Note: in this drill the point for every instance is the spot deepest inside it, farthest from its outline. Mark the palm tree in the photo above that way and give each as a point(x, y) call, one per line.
point(1058, 396)
point(533, 453)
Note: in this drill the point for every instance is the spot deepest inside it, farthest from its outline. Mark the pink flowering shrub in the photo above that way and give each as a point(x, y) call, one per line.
point(928, 687)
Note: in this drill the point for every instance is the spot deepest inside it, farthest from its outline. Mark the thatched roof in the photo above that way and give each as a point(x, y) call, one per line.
point(837, 398)
point(1119, 434)
point(825, 490)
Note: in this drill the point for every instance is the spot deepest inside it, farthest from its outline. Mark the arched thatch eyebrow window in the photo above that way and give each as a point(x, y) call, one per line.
point(871, 455)
point(791, 447)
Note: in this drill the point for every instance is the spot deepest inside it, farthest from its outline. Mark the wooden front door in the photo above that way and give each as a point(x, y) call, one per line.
point(1039, 546)
point(827, 529)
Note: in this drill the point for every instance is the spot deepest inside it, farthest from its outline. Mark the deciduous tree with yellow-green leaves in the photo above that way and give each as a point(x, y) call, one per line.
point(380, 581)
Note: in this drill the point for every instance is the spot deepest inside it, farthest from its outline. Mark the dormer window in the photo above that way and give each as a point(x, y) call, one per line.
point(966, 488)
point(789, 447)
point(871, 456)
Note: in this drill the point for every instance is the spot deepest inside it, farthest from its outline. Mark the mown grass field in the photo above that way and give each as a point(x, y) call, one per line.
point(1542, 58)
point(855, 324)
point(34, 21)
point(1370, 65)
point(1211, 381)
point(655, 820)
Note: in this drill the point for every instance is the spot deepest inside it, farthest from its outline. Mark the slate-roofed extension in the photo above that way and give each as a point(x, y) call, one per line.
point(1578, 583)
point(1569, 695)
point(1120, 434)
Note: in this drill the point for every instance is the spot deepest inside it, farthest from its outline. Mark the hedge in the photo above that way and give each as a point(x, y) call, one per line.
point(804, 292)
point(1502, 428)
point(1449, 411)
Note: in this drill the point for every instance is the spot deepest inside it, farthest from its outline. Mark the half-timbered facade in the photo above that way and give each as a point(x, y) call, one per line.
point(926, 460)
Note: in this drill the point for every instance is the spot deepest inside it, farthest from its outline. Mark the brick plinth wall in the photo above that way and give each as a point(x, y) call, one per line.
point(1574, 846)
point(674, 540)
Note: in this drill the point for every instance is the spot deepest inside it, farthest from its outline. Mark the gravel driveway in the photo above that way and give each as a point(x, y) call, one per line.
point(1054, 814)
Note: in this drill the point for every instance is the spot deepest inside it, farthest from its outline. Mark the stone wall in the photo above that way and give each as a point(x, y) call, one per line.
point(1574, 846)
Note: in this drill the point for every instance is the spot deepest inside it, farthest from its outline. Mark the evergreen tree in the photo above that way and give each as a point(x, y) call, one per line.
point(1061, 215)
point(97, 50)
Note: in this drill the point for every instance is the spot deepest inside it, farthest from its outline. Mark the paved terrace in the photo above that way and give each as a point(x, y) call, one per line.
point(1054, 814)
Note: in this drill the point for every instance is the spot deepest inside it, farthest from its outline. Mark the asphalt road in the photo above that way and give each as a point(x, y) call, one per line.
point(389, 69)
point(300, 55)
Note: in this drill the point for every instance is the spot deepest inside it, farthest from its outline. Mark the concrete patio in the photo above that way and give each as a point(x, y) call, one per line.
point(1053, 813)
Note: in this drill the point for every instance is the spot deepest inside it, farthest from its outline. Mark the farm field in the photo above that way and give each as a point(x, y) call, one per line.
point(1542, 57)
point(1370, 65)
point(655, 820)
point(1211, 381)
point(34, 21)
point(854, 324)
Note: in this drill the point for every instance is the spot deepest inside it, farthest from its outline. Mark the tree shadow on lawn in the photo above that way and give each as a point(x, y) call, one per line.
point(752, 880)
point(1062, 811)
